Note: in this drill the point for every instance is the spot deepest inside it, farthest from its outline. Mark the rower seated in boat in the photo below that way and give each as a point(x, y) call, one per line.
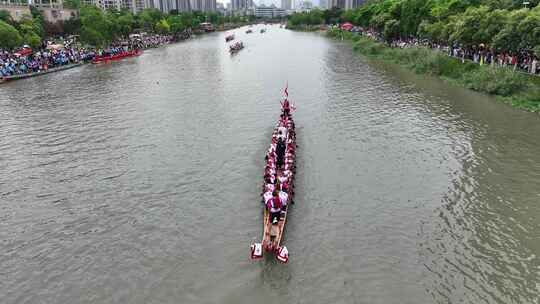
point(280, 152)
point(282, 133)
point(269, 183)
point(286, 107)
point(275, 205)
point(284, 196)
point(267, 196)
point(284, 178)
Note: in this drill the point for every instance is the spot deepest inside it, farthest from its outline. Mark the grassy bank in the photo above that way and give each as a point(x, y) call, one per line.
point(517, 89)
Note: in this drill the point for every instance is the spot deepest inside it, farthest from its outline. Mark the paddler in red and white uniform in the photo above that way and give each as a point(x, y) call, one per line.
point(286, 107)
point(284, 177)
point(274, 205)
point(267, 196)
point(284, 196)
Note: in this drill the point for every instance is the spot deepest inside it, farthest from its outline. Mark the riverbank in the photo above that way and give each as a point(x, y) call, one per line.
point(516, 89)
point(44, 61)
point(304, 28)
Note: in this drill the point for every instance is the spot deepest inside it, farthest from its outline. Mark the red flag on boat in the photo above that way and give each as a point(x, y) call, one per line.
point(286, 92)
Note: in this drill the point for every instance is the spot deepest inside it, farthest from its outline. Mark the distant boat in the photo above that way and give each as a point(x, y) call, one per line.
point(229, 38)
point(207, 27)
point(236, 47)
point(249, 31)
point(263, 31)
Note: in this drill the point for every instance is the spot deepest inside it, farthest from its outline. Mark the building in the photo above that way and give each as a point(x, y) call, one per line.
point(210, 5)
point(271, 11)
point(323, 4)
point(52, 10)
point(105, 4)
point(164, 5)
point(183, 5)
point(134, 6)
point(286, 4)
point(352, 4)
point(180, 5)
point(53, 14)
point(304, 5)
point(203, 5)
point(241, 4)
point(15, 9)
point(336, 3)
point(344, 4)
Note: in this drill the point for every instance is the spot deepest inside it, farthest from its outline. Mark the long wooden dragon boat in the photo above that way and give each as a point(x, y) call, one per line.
point(278, 187)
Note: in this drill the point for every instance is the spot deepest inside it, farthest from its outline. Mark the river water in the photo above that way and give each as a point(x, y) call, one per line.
point(138, 181)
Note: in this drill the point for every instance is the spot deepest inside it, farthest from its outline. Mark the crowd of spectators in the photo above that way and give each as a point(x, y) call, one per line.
point(155, 41)
point(50, 55)
point(19, 62)
point(523, 61)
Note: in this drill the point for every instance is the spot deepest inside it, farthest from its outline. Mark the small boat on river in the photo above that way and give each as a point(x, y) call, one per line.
point(263, 31)
point(229, 38)
point(236, 47)
point(249, 31)
point(118, 56)
point(278, 187)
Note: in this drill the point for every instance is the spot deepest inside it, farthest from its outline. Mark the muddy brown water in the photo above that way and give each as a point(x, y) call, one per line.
point(138, 181)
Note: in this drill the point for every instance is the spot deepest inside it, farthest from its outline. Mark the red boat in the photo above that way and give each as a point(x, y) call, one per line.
point(105, 58)
point(278, 188)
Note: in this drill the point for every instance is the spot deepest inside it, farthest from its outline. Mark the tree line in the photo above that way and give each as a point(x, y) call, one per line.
point(29, 30)
point(504, 25)
point(99, 28)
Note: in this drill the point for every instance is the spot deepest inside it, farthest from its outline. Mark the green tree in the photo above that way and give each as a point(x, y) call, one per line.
point(125, 24)
point(378, 21)
point(436, 31)
point(177, 24)
point(148, 18)
point(163, 27)
point(467, 26)
point(333, 15)
point(411, 14)
point(509, 38)
point(38, 21)
point(74, 4)
point(95, 28)
point(529, 30)
point(72, 26)
point(391, 30)
point(32, 39)
point(9, 36)
point(92, 37)
point(29, 25)
point(6, 17)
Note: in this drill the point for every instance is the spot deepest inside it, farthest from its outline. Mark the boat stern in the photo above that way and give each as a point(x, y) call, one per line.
point(256, 251)
point(282, 254)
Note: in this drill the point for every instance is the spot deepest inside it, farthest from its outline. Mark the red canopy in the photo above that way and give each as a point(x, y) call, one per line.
point(24, 52)
point(347, 26)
